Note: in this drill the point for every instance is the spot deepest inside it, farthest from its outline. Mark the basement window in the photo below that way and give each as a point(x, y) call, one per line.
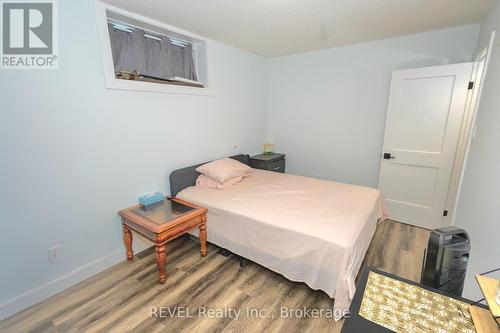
point(143, 54)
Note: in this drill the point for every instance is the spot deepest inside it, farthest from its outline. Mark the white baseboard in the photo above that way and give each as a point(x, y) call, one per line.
point(53, 287)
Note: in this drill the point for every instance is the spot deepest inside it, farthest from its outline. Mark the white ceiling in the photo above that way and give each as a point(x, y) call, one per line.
point(280, 27)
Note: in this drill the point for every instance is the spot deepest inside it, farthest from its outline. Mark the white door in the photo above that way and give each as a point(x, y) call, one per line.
point(424, 116)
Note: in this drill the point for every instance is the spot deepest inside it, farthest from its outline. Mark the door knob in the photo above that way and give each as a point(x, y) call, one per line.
point(387, 156)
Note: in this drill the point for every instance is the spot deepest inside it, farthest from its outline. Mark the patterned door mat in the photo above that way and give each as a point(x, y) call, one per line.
point(402, 307)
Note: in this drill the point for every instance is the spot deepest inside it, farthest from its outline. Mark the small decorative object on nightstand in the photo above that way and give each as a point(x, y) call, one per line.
point(272, 162)
point(268, 149)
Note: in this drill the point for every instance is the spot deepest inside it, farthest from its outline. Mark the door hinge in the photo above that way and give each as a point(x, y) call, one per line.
point(445, 213)
point(471, 85)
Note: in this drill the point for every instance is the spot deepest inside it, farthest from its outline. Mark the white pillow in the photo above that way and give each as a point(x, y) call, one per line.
point(224, 169)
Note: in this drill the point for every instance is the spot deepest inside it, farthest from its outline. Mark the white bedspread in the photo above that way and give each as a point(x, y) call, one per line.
point(308, 230)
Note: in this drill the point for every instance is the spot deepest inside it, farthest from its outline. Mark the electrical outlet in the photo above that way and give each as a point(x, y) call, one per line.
point(55, 253)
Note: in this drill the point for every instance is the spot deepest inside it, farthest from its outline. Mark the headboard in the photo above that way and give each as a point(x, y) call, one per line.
point(185, 177)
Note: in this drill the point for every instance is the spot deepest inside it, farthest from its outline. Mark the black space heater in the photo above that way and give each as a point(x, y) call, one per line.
point(446, 259)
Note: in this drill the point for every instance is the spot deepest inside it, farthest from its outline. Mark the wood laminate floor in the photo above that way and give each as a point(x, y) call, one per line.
point(120, 298)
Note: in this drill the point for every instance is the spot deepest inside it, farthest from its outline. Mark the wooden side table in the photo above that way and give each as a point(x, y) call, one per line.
point(161, 223)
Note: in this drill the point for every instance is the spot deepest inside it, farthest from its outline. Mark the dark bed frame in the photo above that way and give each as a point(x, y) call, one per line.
point(185, 177)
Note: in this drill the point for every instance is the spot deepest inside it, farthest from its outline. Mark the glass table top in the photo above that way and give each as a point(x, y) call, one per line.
point(163, 212)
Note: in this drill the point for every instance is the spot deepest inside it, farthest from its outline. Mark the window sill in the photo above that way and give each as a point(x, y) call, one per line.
point(174, 83)
point(164, 87)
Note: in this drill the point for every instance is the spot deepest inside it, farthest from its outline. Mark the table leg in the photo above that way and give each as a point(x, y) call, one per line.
point(127, 239)
point(161, 260)
point(203, 239)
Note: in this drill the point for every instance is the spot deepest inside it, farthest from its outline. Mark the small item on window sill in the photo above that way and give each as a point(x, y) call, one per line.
point(268, 149)
point(124, 75)
point(151, 199)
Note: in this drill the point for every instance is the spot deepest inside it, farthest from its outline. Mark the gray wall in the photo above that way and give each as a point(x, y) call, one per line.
point(74, 153)
point(327, 108)
point(479, 205)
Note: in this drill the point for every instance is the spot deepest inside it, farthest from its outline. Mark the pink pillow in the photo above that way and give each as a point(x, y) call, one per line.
point(205, 181)
point(224, 169)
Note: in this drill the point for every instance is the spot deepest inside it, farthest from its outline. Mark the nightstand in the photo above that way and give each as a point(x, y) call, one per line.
point(272, 162)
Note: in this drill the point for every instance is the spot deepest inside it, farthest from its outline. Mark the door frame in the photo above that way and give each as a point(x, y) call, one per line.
point(467, 132)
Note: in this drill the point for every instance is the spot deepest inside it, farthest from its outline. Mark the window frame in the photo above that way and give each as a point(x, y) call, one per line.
point(112, 82)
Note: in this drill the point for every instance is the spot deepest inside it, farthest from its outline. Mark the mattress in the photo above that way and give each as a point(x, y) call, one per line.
point(309, 230)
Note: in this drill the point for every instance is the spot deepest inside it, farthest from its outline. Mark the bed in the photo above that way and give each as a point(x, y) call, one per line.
point(309, 230)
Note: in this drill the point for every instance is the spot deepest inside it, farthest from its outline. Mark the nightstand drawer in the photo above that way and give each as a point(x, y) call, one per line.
point(277, 166)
